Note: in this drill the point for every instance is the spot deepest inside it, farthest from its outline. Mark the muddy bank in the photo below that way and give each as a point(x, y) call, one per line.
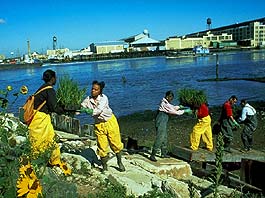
point(140, 126)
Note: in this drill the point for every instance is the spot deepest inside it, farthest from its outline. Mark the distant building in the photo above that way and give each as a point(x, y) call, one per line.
point(2, 57)
point(249, 33)
point(142, 42)
point(107, 47)
point(57, 54)
point(178, 43)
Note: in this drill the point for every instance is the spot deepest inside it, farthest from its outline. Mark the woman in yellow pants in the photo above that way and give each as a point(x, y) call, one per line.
point(41, 132)
point(106, 125)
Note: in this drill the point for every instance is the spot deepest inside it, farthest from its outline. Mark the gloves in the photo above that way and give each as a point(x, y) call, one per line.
point(181, 106)
point(188, 111)
point(236, 124)
point(86, 110)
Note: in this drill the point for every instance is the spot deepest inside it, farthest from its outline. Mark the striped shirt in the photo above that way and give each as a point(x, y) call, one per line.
point(168, 108)
point(101, 110)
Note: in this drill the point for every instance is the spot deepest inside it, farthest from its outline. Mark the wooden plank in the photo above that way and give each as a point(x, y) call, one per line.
point(204, 155)
point(253, 173)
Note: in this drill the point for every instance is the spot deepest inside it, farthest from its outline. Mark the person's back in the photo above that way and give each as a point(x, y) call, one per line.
point(249, 119)
point(41, 132)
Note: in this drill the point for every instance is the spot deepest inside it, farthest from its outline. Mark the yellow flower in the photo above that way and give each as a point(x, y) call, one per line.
point(28, 184)
point(29, 187)
point(35, 190)
point(24, 90)
point(9, 88)
point(24, 168)
point(66, 170)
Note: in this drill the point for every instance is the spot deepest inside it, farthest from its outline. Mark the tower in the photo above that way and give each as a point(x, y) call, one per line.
point(54, 43)
point(28, 48)
point(209, 23)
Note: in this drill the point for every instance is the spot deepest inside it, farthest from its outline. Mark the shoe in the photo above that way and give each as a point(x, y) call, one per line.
point(165, 156)
point(245, 150)
point(152, 158)
point(104, 163)
point(121, 166)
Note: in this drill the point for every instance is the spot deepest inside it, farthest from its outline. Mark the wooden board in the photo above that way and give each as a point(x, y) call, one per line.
point(203, 155)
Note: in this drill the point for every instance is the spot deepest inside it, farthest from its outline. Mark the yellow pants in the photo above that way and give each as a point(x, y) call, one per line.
point(202, 129)
point(41, 135)
point(108, 135)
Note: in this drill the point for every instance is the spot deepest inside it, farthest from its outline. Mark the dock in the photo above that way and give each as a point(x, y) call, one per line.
point(251, 165)
point(203, 155)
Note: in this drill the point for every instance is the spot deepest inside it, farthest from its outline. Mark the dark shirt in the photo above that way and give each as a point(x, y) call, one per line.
point(51, 102)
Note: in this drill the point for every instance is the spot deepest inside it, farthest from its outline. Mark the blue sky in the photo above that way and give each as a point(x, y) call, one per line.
point(78, 23)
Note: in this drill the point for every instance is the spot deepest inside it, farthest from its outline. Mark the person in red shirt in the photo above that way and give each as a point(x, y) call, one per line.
point(202, 129)
point(227, 122)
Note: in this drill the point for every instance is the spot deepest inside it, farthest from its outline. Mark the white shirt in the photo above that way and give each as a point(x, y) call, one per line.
point(166, 107)
point(100, 106)
point(247, 110)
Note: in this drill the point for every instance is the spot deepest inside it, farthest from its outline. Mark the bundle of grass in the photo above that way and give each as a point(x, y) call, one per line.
point(192, 98)
point(69, 94)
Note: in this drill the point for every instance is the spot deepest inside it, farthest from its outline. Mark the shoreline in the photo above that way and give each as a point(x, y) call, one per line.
point(141, 127)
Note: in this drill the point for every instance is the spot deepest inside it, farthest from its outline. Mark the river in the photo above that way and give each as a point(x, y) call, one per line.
point(147, 79)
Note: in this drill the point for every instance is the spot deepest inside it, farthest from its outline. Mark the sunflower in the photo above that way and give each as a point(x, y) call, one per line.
point(27, 171)
point(66, 170)
point(24, 90)
point(9, 88)
point(29, 187)
point(28, 184)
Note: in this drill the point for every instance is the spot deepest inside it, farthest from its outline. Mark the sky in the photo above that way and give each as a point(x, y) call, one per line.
point(78, 23)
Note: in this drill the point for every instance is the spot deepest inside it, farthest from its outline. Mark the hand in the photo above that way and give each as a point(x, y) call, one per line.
point(86, 110)
point(188, 111)
point(236, 124)
point(181, 106)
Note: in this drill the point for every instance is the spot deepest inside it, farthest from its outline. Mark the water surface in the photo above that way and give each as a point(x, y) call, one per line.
point(147, 79)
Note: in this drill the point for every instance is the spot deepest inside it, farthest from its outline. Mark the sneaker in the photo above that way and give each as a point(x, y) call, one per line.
point(152, 158)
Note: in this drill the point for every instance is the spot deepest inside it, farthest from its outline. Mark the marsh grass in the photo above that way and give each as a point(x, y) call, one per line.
point(69, 94)
point(192, 98)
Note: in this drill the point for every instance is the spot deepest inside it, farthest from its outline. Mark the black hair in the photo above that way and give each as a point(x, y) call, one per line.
point(169, 93)
point(100, 84)
point(48, 75)
point(233, 97)
point(243, 101)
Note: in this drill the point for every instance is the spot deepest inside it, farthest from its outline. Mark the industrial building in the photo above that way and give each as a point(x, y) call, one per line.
point(249, 33)
point(142, 42)
point(108, 47)
point(208, 40)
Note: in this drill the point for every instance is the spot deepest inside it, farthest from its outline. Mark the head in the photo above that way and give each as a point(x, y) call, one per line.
point(97, 88)
point(49, 77)
point(233, 100)
point(243, 102)
point(169, 96)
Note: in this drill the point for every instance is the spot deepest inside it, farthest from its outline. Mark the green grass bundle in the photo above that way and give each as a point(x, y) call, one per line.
point(69, 94)
point(192, 98)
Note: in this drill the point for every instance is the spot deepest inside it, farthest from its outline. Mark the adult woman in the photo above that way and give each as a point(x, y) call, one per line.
point(106, 125)
point(41, 132)
point(165, 109)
